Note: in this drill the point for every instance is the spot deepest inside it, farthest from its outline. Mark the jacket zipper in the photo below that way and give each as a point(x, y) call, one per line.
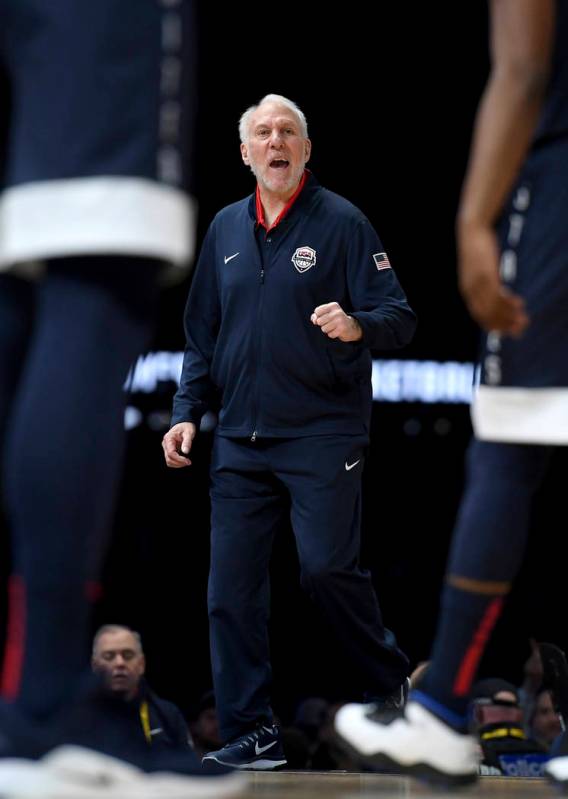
point(254, 433)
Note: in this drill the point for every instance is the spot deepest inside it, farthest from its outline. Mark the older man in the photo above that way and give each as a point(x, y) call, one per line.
point(118, 656)
point(292, 289)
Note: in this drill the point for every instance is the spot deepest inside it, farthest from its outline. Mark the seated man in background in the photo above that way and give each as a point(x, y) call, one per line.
point(118, 656)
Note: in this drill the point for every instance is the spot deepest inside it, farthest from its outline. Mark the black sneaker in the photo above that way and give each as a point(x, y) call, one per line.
point(260, 750)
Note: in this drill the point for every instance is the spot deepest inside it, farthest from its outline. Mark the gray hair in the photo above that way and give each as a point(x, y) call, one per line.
point(116, 628)
point(244, 121)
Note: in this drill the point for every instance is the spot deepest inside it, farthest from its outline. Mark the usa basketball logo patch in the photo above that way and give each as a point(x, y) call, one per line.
point(304, 258)
point(381, 261)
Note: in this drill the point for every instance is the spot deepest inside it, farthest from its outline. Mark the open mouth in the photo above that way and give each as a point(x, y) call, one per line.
point(279, 163)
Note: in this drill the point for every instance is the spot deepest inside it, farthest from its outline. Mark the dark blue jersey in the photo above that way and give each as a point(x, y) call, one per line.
point(553, 123)
point(251, 347)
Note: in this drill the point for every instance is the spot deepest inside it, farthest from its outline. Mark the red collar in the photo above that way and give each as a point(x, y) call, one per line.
point(260, 220)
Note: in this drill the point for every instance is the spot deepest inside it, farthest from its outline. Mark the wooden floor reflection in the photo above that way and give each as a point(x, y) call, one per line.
point(341, 785)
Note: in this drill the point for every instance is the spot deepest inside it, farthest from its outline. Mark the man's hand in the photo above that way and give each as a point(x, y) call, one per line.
point(335, 323)
point(491, 304)
point(177, 444)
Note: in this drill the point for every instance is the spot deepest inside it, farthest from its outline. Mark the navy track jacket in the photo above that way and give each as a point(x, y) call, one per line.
point(252, 352)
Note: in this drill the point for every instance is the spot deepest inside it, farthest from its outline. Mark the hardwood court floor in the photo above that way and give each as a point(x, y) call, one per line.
point(342, 785)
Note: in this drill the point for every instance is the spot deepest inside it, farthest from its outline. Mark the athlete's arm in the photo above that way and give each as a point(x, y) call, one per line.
point(522, 33)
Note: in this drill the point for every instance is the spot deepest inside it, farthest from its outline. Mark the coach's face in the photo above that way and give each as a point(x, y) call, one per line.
point(275, 149)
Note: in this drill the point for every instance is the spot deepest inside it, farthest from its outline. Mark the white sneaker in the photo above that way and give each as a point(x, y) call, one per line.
point(73, 772)
point(32, 779)
point(418, 743)
point(556, 771)
point(18, 774)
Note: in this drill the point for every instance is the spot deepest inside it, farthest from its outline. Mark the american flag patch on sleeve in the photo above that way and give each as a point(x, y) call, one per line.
point(381, 261)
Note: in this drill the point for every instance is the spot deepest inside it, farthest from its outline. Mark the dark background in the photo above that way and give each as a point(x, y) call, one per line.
point(390, 91)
